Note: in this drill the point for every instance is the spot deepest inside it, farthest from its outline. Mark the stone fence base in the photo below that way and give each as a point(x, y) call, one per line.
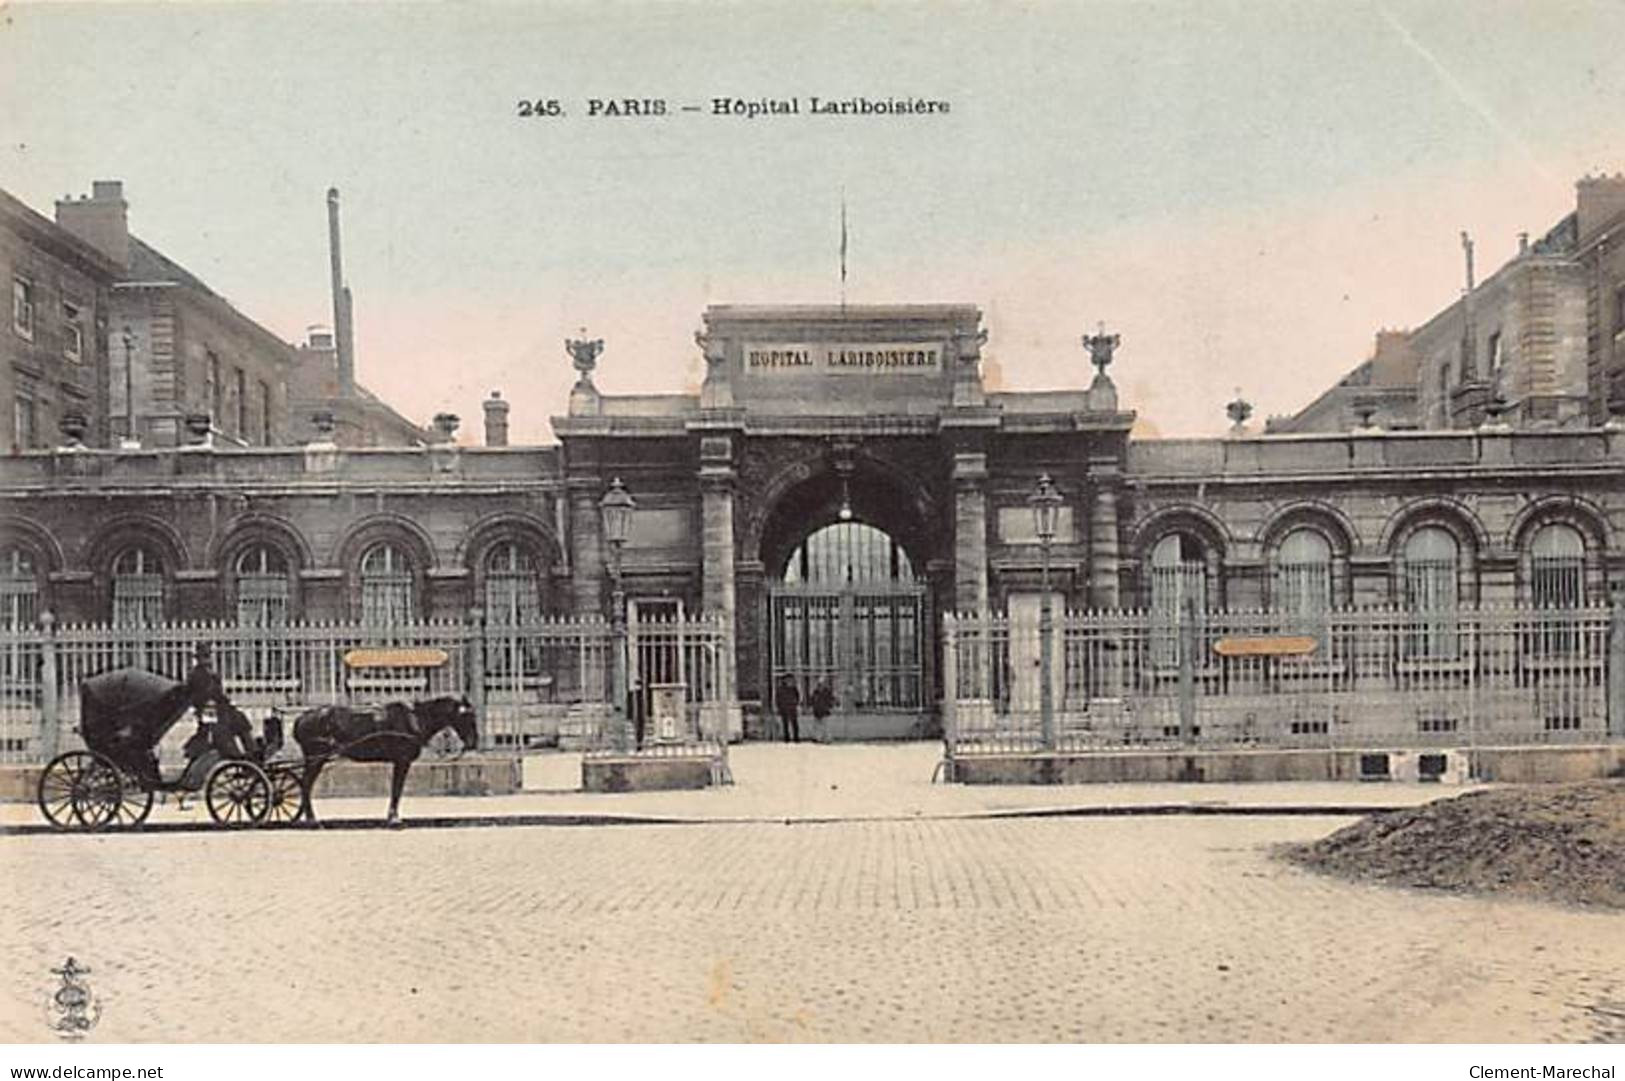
point(1444, 765)
point(472, 775)
point(628, 773)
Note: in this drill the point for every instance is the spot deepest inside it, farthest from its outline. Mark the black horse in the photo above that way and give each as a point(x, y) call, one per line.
point(394, 733)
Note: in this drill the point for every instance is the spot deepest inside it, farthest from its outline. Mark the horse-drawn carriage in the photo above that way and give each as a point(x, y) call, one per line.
point(123, 717)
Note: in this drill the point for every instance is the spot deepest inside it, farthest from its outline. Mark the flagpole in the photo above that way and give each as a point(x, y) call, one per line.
point(843, 249)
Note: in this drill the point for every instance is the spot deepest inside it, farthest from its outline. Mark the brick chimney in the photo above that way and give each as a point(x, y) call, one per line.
point(1598, 200)
point(1393, 361)
point(496, 420)
point(101, 220)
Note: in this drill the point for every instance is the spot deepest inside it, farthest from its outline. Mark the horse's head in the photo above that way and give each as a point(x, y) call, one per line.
point(465, 723)
point(454, 713)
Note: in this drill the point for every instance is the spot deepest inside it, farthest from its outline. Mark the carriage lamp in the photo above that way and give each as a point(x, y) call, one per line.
point(1046, 504)
point(616, 508)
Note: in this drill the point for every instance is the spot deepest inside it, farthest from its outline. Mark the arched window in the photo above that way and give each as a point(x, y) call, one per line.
point(848, 553)
point(138, 588)
point(1303, 576)
point(386, 586)
point(262, 587)
point(1432, 559)
point(1178, 574)
point(513, 593)
point(1178, 582)
point(19, 610)
point(19, 590)
point(1557, 567)
point(260, 578)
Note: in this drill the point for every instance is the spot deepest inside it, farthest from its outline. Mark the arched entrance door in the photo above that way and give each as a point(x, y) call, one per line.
point(849, 609)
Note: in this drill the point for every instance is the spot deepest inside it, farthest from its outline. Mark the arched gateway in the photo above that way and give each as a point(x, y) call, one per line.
point(848, 608)
point(841, 479)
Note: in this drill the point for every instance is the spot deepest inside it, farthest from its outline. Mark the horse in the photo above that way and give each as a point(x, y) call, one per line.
point(394, 733)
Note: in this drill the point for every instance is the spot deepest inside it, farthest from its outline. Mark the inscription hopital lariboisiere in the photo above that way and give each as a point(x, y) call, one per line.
point(842, 358)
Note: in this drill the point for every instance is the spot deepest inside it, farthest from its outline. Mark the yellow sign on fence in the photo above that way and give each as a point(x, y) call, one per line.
point(397, 657)
point(1278, 646)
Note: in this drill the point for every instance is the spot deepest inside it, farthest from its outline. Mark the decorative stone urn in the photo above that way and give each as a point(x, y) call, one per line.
point(73, 425)
point(197, 428)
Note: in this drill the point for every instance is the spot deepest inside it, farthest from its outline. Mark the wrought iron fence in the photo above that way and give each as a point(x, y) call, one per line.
point(537, 683)
point(1344, 679)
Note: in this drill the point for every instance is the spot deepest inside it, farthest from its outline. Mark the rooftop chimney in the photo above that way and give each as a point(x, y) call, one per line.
point(101, 220)
point(496, 420)
point(343, 331)
point(1598, 201)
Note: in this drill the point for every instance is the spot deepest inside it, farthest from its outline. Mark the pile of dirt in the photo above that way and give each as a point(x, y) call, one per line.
point(1552, 842)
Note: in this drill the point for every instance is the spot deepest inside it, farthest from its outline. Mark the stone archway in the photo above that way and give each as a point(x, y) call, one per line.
point(845, 556)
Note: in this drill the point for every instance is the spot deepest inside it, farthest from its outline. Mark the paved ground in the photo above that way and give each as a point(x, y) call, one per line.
point(775, 781)
point(1090, 929)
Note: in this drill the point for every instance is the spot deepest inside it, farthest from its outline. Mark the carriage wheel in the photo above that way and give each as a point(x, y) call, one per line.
point(79, 789)
point(135, 803)
point(237, 794)
point(287, 794)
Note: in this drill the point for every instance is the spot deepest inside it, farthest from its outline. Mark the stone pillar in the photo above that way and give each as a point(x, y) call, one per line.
point(586, 548)
point(1104, 563)
point(719, 598)
point(717, 478)
point(1616, 668)
point(750, 638)
point(970, 532)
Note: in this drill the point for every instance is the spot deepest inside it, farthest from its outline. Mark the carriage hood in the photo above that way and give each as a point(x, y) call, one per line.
point(125, 695)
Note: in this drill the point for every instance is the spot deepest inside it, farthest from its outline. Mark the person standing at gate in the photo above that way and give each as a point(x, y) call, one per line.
point(788, 698)
point(822, 701)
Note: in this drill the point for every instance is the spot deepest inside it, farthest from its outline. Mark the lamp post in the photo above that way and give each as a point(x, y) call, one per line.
point(616, 508)
point(1046, 504)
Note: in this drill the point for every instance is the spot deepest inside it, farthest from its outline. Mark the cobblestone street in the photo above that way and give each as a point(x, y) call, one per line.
point(1124, 929)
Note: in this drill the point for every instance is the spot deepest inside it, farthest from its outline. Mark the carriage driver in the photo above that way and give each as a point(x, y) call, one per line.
point(230, 734)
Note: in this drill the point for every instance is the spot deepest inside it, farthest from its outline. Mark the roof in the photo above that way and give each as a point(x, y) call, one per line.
point(149, 266)
point(47, 232)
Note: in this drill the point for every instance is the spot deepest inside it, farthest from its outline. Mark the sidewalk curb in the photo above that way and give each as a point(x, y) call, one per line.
point(1149, 810)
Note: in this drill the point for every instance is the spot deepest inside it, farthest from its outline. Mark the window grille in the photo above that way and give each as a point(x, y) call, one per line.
point(1303, 580)
point(138, 589)
point(1431, 593)
point(1178, 578)
point(387, 587)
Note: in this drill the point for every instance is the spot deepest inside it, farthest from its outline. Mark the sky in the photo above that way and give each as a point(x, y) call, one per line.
point(1245, 191)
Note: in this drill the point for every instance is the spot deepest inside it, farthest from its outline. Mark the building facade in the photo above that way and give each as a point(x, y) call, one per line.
point(1600, 251)
point(840, 483)
point(1536, 344)
point(112, 336)
point(53, 360)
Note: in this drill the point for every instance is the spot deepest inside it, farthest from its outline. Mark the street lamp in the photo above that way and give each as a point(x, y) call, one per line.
point(616, 507)
point(1046, 505)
